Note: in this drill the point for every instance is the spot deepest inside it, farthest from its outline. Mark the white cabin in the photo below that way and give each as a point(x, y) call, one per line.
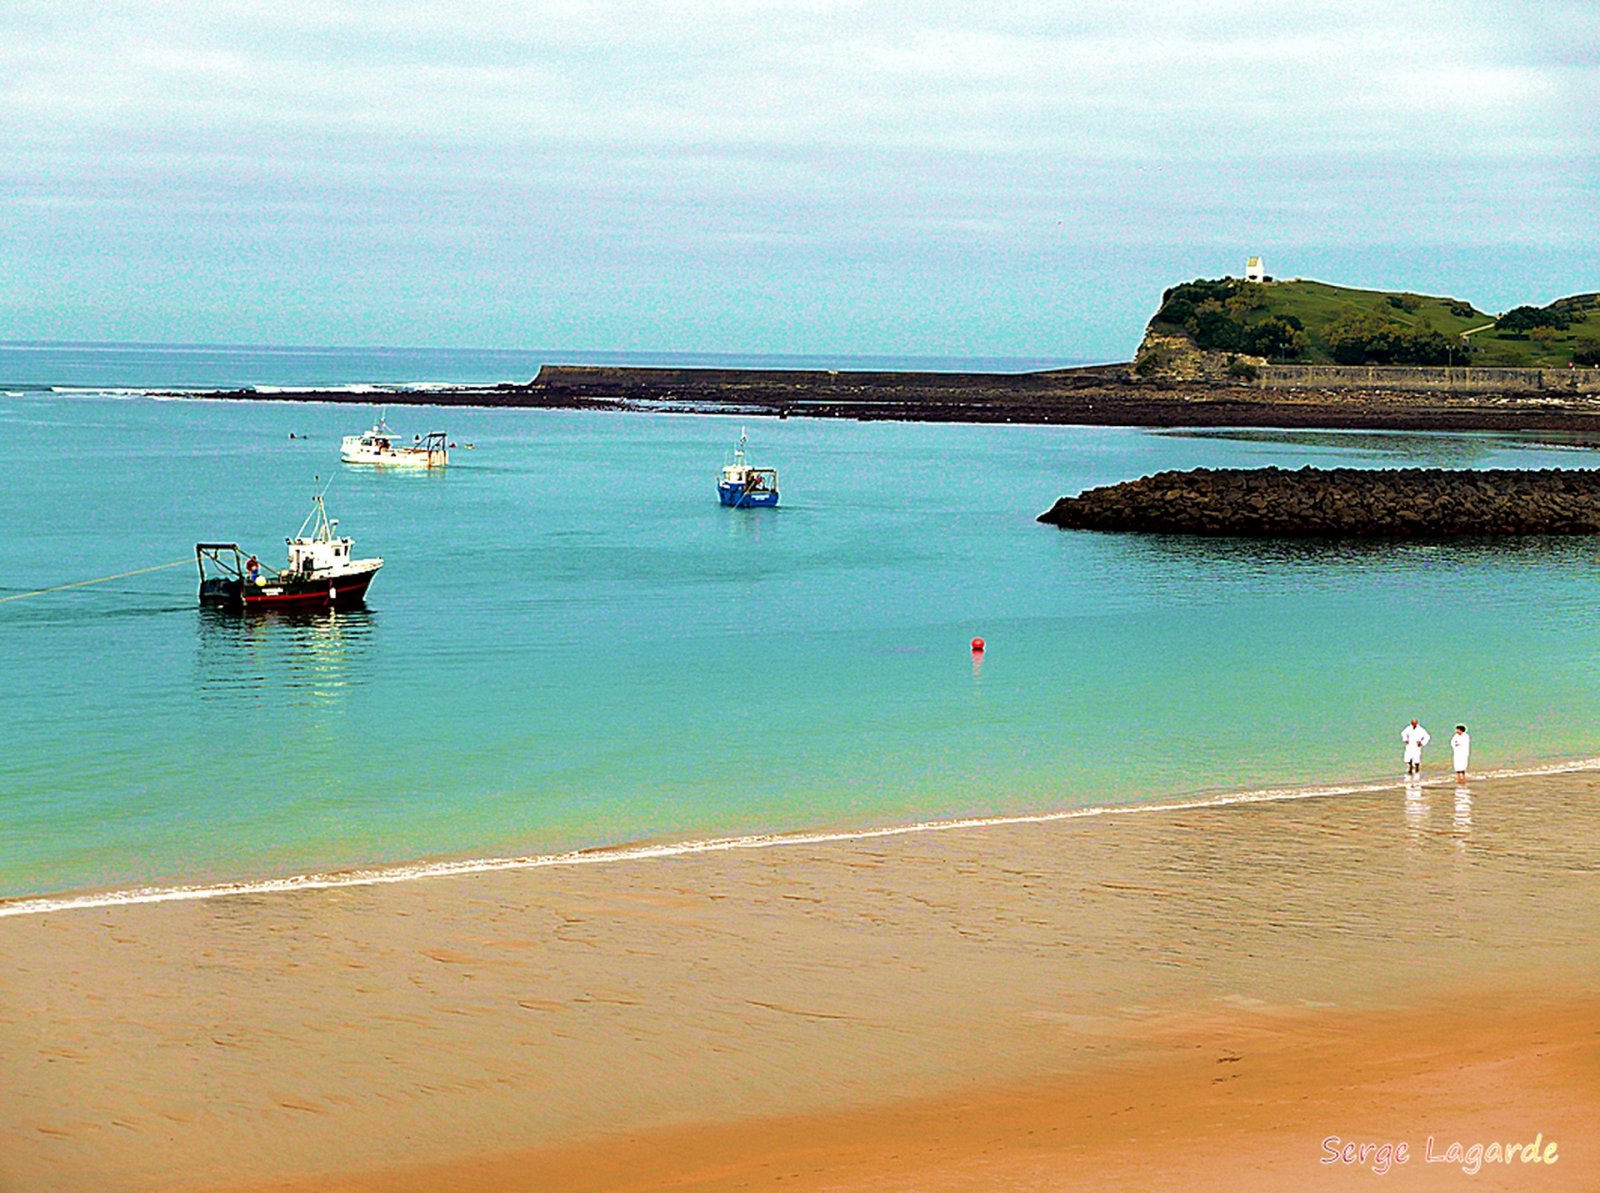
point(323, 552)
point(1255, 270)
point(309, 555)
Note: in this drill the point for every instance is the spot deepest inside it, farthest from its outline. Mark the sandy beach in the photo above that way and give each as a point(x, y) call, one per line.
point(1199, 998)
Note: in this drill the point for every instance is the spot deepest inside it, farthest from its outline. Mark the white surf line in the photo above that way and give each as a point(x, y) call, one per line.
point(598, 855)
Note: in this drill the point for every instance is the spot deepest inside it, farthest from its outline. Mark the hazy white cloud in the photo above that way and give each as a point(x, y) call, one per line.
point(1144, 79)
point(581, 139)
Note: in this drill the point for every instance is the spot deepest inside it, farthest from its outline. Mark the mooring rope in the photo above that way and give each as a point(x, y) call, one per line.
point(17, 596)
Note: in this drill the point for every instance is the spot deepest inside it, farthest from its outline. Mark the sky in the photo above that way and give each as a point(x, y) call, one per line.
point(774, 176)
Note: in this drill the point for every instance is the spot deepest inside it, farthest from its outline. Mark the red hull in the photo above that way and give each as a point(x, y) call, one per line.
point(346, 590)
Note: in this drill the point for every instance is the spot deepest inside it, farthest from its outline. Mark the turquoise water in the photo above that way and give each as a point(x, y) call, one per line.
point(572, 644)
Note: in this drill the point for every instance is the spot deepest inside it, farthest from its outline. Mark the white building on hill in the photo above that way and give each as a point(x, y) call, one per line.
point(1254, 270)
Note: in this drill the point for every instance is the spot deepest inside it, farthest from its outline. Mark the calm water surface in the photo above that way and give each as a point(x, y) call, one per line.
point(572, 644)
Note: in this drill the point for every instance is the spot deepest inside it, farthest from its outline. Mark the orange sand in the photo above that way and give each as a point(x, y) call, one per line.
point(1235, 1104)
point(1172, 1000)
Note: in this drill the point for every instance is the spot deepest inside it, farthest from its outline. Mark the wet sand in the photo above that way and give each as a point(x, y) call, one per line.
point(1180, 999)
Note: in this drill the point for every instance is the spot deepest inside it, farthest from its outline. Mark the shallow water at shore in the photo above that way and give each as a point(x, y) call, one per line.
point(571, 645)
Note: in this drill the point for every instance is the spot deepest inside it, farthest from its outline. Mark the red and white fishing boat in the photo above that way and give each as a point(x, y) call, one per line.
point(381, 446)
point(321, 574)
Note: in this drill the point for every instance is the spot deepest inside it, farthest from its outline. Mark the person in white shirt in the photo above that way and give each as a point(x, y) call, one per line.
point(1415, 737)
point(1460, 749)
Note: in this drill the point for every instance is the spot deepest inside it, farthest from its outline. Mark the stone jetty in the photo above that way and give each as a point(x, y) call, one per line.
point(1341, 502)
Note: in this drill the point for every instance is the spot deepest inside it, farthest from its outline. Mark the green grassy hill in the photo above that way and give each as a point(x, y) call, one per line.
point(1318, 304)
point(1553, 346)
point(1317, 323)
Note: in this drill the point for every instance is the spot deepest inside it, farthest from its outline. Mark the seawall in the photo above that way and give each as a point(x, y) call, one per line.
point(1341, 502)
point(1463, 380)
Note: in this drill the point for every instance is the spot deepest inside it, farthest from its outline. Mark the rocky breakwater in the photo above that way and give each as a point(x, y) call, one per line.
point(1341, 502)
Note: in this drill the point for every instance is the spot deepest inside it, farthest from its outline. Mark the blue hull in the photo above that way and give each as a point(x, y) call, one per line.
point(737, 496)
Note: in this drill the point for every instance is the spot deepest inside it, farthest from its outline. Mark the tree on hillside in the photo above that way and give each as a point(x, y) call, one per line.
point(1276, 338)
point(1575, 308)
point(1350, 336)
point(1519, 321)
point(1362, 337)
point(1249, 296)
point(1179, 303)
point(1214, 313)
point(1214, 328)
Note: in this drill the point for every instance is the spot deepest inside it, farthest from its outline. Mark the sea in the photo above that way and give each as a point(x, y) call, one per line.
point(571, 646)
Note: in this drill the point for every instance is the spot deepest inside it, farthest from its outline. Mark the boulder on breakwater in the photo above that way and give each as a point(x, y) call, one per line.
point(1341, 502)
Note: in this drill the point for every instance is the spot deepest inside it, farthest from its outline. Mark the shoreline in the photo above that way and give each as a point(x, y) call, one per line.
point(1198, 996)
point(422, 869)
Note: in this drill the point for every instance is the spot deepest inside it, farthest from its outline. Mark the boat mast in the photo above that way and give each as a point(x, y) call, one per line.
point(317, 519)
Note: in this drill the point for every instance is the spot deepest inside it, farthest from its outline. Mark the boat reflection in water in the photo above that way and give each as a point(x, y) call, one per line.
point(314, 656)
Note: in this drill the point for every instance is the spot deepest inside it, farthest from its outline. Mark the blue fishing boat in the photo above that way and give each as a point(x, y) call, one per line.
point(743, 486)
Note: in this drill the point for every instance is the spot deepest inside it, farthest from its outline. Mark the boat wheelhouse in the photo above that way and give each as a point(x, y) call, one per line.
point(378, 446)
point(744, 486)
point(320, 574)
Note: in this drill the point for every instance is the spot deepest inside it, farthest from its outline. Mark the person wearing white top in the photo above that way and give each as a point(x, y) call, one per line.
point(1460, 749)
point(1415, 737)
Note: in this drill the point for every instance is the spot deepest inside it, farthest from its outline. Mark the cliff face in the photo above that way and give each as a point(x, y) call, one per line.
point(1170, 355)
point(1341, 502)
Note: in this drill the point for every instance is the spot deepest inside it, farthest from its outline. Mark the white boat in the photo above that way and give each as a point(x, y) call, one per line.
point(378, 446)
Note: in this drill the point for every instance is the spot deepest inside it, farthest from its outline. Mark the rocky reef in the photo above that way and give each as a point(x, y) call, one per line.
point(1341, 502)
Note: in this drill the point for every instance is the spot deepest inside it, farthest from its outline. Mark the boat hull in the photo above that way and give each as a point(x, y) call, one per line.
point(314, 592)
point(405, 457)
point(739, 497)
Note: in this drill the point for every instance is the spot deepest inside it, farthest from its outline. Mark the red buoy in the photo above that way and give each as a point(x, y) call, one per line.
point(977, 646)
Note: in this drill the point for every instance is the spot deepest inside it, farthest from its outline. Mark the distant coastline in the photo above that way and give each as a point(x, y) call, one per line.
point(1228, 352)
point(1216, 353)
point(1094, 395)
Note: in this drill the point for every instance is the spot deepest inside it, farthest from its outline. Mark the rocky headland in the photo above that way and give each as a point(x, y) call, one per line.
point(1341, 502)
point(1221, 353)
